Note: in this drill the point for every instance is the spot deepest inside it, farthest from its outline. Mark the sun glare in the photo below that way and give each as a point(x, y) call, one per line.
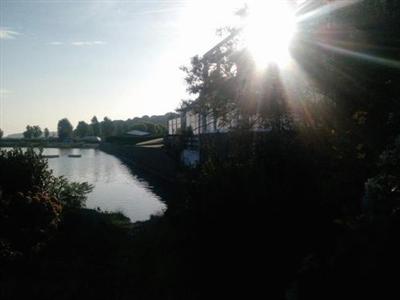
point(269, 29)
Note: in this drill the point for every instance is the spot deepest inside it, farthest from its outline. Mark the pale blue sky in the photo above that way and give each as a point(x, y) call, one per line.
point(119, 59)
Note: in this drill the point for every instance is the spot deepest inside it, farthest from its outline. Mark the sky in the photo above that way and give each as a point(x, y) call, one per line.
point(119, 59)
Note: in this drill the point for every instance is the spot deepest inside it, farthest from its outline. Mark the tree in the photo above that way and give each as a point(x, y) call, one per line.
point(1, 133)
point(356, 81)
point(28, 133)
point(64, 129)
point(95, 126)
point(227, 83)
point(120, 127)
point(46, 133)
point(36, 131)
point(32, 132)
point(83, 129)
point(107, 127)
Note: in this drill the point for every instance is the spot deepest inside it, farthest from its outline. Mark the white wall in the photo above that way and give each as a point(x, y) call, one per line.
point(174, 125)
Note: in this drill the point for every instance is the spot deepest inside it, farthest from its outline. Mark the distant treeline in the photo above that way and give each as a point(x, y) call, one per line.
point(155, 125)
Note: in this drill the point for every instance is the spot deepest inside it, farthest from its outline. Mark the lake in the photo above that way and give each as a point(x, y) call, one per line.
point(116, 188)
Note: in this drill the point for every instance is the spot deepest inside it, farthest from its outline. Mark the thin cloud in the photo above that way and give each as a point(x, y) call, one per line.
point(87, 43)
point(56, 43)
point(7, 33)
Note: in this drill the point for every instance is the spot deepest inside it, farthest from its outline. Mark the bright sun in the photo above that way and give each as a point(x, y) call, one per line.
point(269, 29)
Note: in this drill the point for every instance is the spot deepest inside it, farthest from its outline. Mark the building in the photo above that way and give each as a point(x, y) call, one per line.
point(138, 133)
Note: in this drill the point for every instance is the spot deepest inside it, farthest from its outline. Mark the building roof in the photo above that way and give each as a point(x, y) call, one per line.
point(138, 133)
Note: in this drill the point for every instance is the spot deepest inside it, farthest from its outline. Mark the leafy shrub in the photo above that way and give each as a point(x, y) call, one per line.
point(28, 219)
point(70, 194)
point(383, 190)
point(32, 200)
point(22, 171)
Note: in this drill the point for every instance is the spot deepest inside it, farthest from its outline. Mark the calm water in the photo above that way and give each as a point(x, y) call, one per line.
point(115, 187)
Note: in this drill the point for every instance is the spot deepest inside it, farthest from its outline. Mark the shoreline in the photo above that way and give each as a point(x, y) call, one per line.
point(153, 161)
point(45, 144)
point(151, 165)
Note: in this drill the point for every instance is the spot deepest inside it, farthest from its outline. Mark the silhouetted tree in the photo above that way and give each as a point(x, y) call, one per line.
point(46, 133)
point(32, 132)
point(64, 129)
point(120, 127)
point(36, 131)
point(82, 129)
point(227, 84)
point(1, 133)
point(28, 133)
point(96, 128)
point(107, 127)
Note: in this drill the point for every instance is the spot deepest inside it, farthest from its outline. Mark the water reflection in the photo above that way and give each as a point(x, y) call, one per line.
point(116, 189)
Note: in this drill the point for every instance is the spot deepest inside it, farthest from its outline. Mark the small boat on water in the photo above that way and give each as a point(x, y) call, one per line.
point(75, 155)
point(51, 156)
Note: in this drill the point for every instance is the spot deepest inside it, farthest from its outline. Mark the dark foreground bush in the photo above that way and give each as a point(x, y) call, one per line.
point(27, 220)
point(31, 201)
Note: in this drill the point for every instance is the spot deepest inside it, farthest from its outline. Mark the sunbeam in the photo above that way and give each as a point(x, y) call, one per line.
point(325, 9)
point(368, 57)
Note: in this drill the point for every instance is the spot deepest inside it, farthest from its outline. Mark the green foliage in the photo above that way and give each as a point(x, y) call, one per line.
point(46, 133)
point(83, 129)
point(154, 129)
point(32, 132)
point(299, 189)
point(22, 171)
point(96, 127)
point(227, 71)
point(155, 125)
point(31, 201)
point(27, 220)
point(107, 127)
point(383, 190)
point(64, 129)
point(27, 171)
point(37, 132)
point(28, 132)
point(286, 204)
point(70, 194)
